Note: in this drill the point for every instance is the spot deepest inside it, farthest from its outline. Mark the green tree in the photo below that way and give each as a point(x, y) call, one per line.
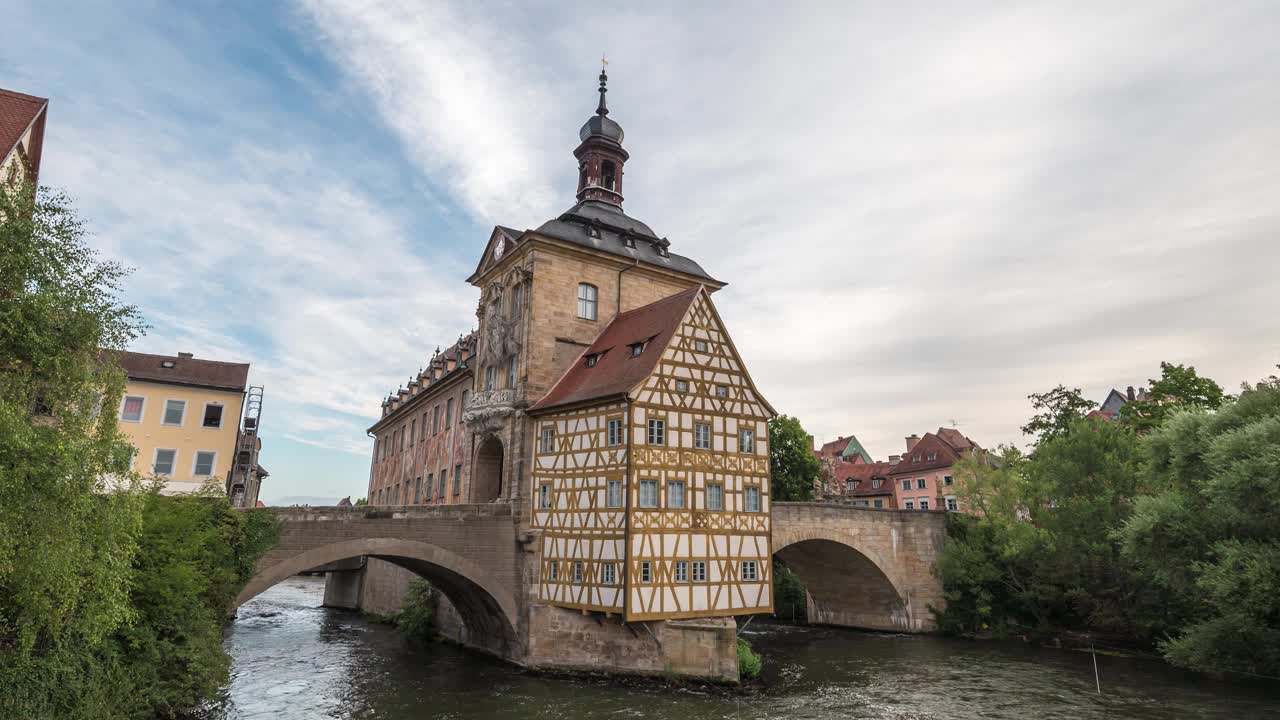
point(1178, 387)
point(1056, 409)
point(1207, 537)
point(65, 547)
point(792, 464)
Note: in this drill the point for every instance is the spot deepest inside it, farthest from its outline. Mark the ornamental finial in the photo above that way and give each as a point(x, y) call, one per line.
point(603, 109)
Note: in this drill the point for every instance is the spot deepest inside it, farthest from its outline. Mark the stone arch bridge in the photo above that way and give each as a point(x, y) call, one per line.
point(863, 567)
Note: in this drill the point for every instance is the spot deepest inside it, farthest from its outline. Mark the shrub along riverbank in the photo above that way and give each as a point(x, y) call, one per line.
point(1157, 531)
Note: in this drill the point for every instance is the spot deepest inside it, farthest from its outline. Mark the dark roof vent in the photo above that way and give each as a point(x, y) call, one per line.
point(188, 356)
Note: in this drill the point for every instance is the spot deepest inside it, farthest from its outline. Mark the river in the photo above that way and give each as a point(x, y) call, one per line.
point(293, 660)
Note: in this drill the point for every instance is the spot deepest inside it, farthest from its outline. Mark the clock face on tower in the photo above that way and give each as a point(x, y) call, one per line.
point(499, 248)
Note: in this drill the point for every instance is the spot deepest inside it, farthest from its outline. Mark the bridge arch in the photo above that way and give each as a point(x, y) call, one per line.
point(849, 582)
point(487, 607)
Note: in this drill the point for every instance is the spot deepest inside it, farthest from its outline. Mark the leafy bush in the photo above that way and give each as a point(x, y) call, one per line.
point(788, 594)
point(749, 661)
point(417, 616)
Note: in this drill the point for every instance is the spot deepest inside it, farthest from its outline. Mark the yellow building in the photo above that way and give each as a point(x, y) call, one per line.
point(183, 417)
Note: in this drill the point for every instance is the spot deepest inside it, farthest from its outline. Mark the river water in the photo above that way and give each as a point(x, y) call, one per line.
point(294, 660)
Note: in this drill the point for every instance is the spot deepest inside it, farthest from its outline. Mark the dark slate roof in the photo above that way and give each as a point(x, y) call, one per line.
point(601, 126)
point(616, 372)
point(185, 371)
point(613, 227)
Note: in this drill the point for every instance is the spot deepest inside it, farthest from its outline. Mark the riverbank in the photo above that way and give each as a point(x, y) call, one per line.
point(294, 660)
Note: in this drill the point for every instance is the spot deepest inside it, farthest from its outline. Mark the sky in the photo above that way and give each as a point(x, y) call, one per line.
point(924, 211)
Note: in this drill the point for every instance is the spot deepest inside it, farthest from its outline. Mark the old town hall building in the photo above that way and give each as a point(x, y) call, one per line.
point(603, 399)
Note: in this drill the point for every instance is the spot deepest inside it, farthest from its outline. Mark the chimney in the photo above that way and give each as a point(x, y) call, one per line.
point(1129, 393)
point(912, 439)
point(895, 459)
point(188, 356)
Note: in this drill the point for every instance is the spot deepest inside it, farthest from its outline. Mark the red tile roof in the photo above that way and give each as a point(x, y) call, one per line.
point(17, 113)
point(616, 372)
point(185, 371)
point(864, 474)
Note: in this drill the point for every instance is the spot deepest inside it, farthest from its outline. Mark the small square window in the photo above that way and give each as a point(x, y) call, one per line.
point(906, 483)
point(877, 482)
point(675, 495)
point(646, 571)
point(615, 432)
point(702, 436)
point(613, 494)
point(592, 359)
point(722, 391)
point(682, 571)
point(921, 483)
point(923, 503)
point(749, 570)
point(909, 505)
point(877, 503)
point(751, 499)
point(131, 409)
point(952, 505)
point(700, 345)
point(204, 463)
point(165, 460)
point(715, 496)
point(648, 493)
point(637, 348)
point(213, 417)
point(699, 568)
point(932, 456)
point(946, 480)
point(174, 410)
point(682, 386)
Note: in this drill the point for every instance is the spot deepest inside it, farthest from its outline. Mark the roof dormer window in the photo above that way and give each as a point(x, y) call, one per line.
point(637, 348)
point(592, 359)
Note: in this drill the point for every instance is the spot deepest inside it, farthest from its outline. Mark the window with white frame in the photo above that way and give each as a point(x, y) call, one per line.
point(715, 496)
point(544, 496)
point(700, 345)
point(932, 456)
point(587, 301)
point(648, 493)
point(204, 463)
point(722, 391)
point(577, 572)
point(212, 415)
point(952, 505)
point(877, 503)
point(646, 571)
point(131, 408)
point(746, 440)
point(923, 503)
point(613, 493)
point(877, 482)
point(657, 431)
point(702, 436)
point(174, 410)
point(751, 498)
point(921, 483)
point(614, 434)
point(749, 570)
point(675, 494)
point(698, 570)
point(850, 486)
point(553, 571)
point(682, 571)
point(909, 504)
point(164, 461)
point(609, 573)
point(548, 439)
point(682, 386)
point(906, 483)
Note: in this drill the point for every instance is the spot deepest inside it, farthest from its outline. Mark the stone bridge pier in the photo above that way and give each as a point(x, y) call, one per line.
point(864, 568)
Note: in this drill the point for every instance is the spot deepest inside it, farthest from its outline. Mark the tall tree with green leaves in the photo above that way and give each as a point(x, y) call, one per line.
point(792, 464)
point(65, 547)
point(1056, 410)
point(1179, 387)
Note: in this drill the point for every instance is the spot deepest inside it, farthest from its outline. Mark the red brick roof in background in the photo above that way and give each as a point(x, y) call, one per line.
point(616, 372)
point(864, 473)
point(185, 371)
point(17, 113)
point(948, 444)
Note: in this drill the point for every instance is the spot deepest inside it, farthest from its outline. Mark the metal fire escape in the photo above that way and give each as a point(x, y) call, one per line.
point(246, 475)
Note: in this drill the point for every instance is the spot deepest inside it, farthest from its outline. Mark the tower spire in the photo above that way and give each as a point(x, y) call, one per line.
point(602, 108)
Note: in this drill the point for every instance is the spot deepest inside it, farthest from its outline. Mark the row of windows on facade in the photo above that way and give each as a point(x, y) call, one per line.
point(684, 571)
point(656, 434)
point(395, 495)
point(677, 496)
point(395, 442)
point(175, 412)
point(922, 503)
point(166, 459)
